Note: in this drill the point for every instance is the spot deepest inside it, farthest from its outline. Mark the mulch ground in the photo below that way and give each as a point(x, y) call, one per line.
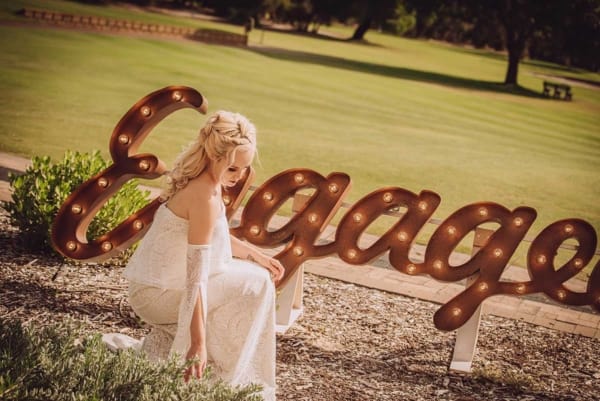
point(352, 343)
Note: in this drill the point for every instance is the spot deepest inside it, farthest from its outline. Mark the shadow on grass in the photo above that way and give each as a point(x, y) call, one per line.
point(499, 56)
point(319, 35)
point(394, 72)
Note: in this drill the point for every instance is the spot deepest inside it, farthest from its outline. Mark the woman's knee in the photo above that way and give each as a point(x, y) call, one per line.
point(260, 282)
point(154, 305)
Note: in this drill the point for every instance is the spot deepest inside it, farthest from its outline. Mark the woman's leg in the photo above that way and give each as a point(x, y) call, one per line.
point(241, 326)
point(159, 308)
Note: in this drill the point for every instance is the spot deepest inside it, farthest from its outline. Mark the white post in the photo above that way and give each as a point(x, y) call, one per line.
point(466, 335)
point(289, 302)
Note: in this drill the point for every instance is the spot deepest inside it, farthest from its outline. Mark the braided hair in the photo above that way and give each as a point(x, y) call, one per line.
point(223, 132)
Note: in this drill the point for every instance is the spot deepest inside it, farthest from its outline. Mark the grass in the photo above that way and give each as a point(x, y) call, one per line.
point(410, 113)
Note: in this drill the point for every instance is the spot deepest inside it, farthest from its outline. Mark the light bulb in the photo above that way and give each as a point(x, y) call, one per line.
point(144, 165)
point(402, 236)
point(124, 139)
point(268, 196)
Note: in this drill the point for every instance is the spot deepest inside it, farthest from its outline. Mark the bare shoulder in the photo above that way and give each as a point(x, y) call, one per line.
point(192, 195)
point(199, 190)
point(202, 204)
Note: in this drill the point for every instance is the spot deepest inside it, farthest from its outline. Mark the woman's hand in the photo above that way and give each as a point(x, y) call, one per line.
point(273, 265)
point(276, 268)
point(197, 354)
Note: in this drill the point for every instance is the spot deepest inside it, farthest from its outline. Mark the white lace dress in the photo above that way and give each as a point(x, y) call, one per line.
point(240, 324)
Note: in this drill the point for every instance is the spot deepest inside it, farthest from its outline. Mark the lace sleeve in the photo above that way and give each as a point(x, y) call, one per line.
point(198, 257)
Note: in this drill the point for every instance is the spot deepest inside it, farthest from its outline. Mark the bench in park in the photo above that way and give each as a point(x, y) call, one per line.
point(557, 90)
point(299, 238)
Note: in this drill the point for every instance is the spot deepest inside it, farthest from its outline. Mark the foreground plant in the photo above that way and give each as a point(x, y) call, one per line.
point(61, 363)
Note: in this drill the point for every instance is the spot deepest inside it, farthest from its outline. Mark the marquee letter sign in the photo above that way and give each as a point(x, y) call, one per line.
point(301, 232)
point(78, 210)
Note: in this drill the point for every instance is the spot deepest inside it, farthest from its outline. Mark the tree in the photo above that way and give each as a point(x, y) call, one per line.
point(325, 11)
point(555, 30)
point(518, 21)
point(372, 12)
point(573, 39)
point(300, 14)
point(237, 11)
point(424, 12)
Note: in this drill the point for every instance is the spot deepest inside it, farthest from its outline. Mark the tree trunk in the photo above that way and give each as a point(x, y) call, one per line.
point(365, 22)
point(420, 25)
point(514, 56)
point(360, 31)
point(516, 36)
point(518, 22)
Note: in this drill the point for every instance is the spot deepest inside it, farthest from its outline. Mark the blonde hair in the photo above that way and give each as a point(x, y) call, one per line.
point(223, 132)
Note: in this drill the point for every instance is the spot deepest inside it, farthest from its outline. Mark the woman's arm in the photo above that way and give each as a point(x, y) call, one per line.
point(202, 214)
point(243, 250)
point(198, 344)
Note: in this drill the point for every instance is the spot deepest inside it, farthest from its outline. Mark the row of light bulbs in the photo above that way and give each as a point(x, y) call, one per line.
point(124, 139)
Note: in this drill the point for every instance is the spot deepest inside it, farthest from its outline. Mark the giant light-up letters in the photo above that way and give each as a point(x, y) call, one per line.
point(301, 232)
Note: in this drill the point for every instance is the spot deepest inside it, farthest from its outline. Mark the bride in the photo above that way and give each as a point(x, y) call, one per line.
point(208, 296)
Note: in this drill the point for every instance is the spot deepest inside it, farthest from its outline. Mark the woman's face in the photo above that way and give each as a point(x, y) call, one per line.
point(232, 169)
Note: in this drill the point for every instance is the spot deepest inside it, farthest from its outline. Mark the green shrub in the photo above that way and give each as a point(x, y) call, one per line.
point(60, 363)
point(41, 190)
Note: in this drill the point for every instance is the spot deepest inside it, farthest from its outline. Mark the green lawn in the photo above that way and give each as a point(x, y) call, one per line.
point(411, 113)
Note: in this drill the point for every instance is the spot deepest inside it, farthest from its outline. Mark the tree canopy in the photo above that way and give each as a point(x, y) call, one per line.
point(562, 31)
